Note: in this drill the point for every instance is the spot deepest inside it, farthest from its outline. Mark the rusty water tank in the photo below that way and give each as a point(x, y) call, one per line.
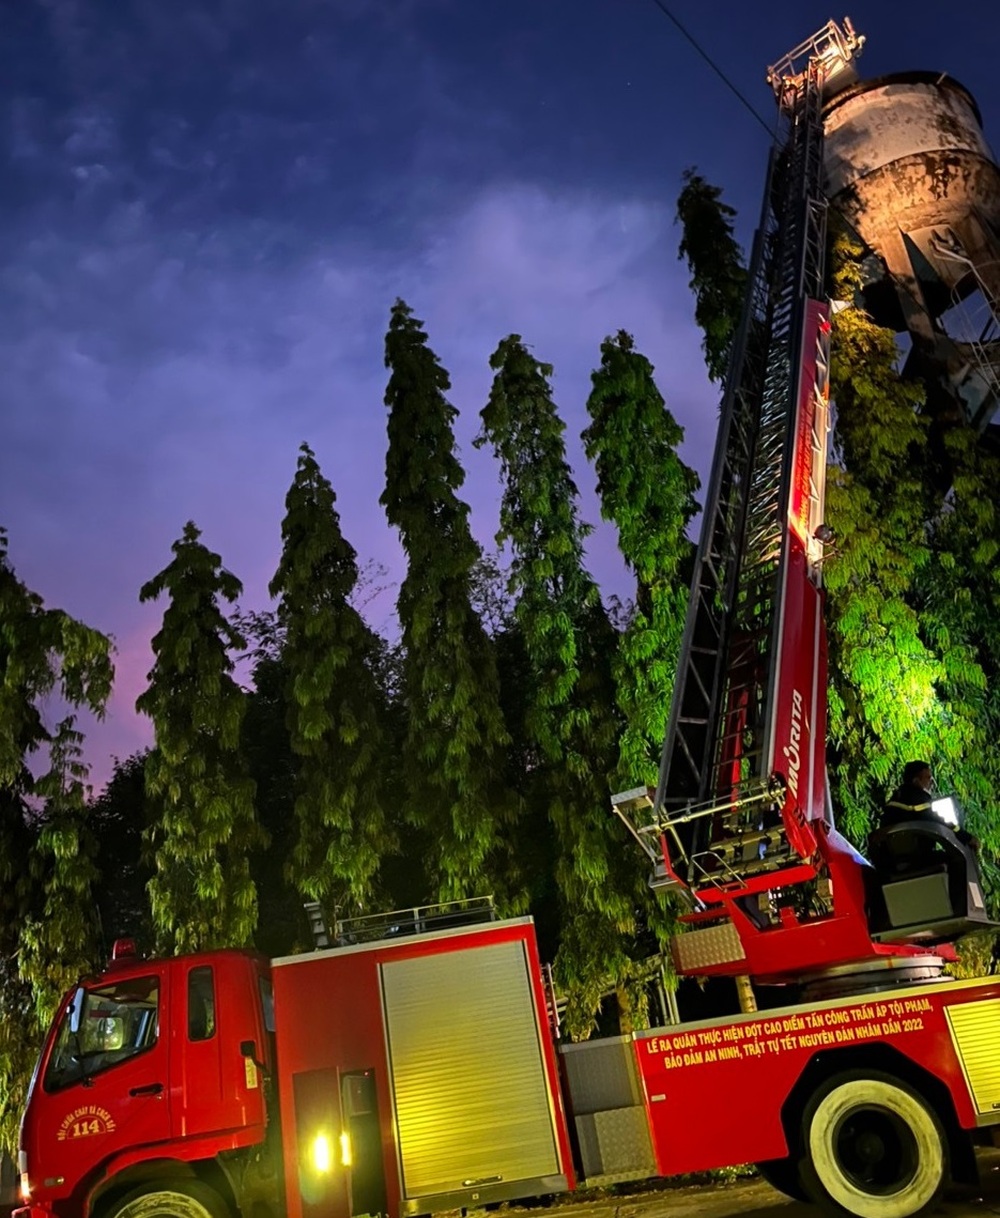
point(907, 163)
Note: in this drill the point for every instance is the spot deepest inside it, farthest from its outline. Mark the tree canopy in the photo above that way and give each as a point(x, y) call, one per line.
point(331, 703)
point(454, 752)
point(473, 749)
point(201, 894)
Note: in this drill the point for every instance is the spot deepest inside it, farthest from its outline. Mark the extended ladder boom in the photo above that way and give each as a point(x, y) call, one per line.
point(749, 698)
point(742, 794)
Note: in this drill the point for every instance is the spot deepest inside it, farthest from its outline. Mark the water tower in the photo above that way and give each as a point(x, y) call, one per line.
point(906, 162)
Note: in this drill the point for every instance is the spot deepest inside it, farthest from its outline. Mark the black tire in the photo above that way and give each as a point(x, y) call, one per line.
point(783, 1175)
point(170, 1199)
point(873, 1148)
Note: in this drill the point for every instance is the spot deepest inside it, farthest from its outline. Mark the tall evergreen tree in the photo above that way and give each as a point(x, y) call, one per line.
point(59, 941)
point(42, 651)
point(454, 754)
point(648, 492)
point(119, 820)
point(201, 894)
point(20, 1032)
point(718, 273)
point(332, 702)
point(570, 713)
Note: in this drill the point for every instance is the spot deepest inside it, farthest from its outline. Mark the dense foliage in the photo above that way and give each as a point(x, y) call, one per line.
point(454, 752)
point(331, 703)
point(570, 715)
point(201, 893)
point(46, 933)
point(912, 581)
point(714, 257)
point(648, 492)
point(475, 751)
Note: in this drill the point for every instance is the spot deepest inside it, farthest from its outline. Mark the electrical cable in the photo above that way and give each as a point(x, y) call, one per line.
point(714, 66)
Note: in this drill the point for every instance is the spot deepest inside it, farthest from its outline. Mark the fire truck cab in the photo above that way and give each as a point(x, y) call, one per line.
point(149, 1070)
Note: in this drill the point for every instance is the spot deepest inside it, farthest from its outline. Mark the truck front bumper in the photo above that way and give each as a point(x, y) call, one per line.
point(32, 1211)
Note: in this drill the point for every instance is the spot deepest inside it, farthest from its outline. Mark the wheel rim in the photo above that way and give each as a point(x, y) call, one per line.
point(876, 1150)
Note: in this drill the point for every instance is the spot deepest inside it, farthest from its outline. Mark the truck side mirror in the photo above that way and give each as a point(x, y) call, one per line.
point(248, 1049)
point(76, 1010)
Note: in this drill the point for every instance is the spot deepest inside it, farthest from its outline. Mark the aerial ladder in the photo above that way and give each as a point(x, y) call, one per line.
point(740, 824)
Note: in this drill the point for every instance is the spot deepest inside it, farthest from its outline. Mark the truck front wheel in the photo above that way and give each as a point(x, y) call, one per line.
point(170, 1199)
point(874, 1148)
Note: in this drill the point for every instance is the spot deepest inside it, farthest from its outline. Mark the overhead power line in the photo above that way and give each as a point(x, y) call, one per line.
point(714, 66)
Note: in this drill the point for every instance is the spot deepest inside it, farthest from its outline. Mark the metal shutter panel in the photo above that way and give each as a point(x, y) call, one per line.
point(974, 1027)
point(471, 1097)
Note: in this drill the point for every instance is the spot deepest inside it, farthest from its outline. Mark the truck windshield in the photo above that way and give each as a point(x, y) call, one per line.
point(102, 1027)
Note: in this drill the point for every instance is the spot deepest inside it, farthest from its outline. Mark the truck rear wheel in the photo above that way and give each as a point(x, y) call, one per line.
point(170, 1199)
point(874, 1148)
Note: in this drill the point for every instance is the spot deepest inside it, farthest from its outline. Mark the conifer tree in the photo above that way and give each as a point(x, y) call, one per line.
point(570, 713)
point(332, 702)
point(59, 940)
point(454, 752)
point(119, 817)
point(718, 274)
point(20, 1033)
point(42, 651)
point(648, 492)
point(201, 895)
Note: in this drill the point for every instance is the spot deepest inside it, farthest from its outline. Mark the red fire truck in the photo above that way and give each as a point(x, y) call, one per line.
point(417, 1072)
point(411, 1066)
point(410, 1072)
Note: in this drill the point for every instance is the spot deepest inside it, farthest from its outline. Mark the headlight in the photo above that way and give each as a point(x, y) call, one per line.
point(321, 1157)
point(25, 1187)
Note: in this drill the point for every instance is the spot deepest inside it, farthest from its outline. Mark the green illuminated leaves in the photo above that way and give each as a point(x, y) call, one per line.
point(570, 717)
point(201, 893)
point(332, 703)
point(911, 581)
point(59, 939)
point(456, 742)
point(41, 651)
point(47, 924)
point(718, 276)
point(648, 492)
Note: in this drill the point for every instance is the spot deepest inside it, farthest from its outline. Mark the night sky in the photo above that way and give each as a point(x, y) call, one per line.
point(208, 207)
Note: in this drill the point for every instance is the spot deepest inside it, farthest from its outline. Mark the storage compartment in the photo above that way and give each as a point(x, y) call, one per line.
point(472, 1105)
point(606, 1098)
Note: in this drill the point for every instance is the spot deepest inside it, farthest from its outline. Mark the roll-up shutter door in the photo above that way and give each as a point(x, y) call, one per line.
point(469, 1085)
